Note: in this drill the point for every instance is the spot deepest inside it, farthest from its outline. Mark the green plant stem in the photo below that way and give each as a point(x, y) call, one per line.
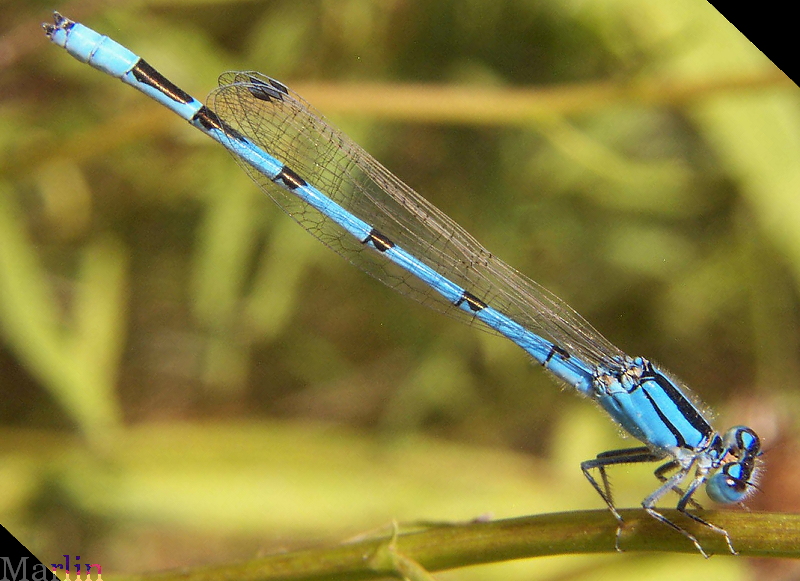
point(445, 546)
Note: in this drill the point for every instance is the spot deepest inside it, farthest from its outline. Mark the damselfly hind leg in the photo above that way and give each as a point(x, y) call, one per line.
point(612, 458)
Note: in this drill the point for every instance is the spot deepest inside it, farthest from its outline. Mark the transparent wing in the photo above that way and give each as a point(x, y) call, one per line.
point(288, 128)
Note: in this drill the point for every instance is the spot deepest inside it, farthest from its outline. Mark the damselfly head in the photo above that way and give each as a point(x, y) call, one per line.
point(735, 480)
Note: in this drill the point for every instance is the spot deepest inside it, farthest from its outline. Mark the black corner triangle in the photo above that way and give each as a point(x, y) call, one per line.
point(770, 26)
point(19, 563)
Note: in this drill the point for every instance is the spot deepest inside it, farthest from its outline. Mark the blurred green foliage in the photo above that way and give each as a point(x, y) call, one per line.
point(187, 377)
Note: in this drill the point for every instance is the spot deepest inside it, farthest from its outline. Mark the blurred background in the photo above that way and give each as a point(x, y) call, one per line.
point(188, 378)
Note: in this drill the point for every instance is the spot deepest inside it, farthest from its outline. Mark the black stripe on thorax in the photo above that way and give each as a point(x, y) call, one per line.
point(684, 405)
point(680, 442)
